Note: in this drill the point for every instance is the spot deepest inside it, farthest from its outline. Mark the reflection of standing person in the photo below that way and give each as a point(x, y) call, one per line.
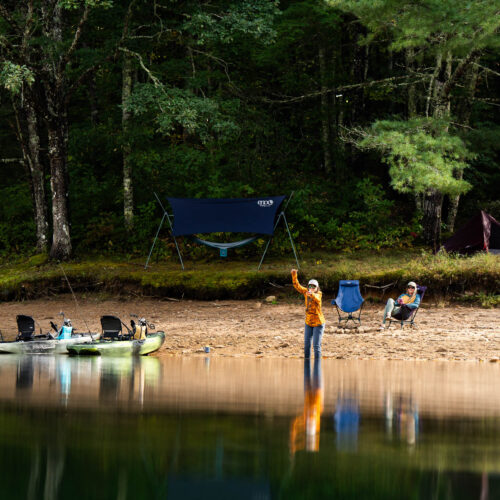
point(305, 428)
point(315, 321)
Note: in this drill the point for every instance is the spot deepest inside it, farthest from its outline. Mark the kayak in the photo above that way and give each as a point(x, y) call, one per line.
point(119, 347)
point(45, 346)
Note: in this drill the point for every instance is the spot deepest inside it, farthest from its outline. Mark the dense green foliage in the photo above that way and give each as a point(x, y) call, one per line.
point(232, 99)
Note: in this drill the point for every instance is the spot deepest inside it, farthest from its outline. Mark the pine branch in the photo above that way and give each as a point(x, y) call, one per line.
point(344, 88)
point(12, 160)
point(78, 33)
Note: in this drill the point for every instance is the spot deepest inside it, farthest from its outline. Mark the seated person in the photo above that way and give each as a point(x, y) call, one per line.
point(403, 306)
point(66, 330)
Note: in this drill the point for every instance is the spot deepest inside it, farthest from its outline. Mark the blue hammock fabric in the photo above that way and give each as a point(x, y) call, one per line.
point(231, 215)
point(348, 297)
point(226, 246)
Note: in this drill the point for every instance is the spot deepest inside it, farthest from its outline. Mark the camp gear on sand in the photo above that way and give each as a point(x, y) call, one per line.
point(349, 301)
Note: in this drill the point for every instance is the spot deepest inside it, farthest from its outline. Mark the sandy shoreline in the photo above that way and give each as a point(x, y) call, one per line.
point(258, 329)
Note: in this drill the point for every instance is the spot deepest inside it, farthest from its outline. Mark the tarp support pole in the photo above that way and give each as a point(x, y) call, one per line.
point(291, 241)
point(282, 214)
point(165, 214)
point(175, 240)
point(154, 242)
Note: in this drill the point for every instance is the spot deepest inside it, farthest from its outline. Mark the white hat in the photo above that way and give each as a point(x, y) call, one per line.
point(412, 283)
point(314, 282)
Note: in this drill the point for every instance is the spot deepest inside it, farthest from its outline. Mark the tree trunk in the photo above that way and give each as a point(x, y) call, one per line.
point(325, 113)
point(55, 94)
point(412, 100)
point(433, 201)
point(463, 117)
point(29, 140)
point(431, 221)
point(61, 240)
point(37, 179)
point(128, 194)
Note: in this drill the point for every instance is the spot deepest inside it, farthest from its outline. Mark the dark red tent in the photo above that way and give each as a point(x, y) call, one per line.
point(482, 232)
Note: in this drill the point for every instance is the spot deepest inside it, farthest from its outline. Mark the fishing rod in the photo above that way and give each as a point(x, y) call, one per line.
point(76, 301)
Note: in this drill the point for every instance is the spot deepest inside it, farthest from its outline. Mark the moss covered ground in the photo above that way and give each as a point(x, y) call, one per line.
point(468, 279)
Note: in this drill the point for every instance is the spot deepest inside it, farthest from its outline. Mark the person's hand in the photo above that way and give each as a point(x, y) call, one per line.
point(294, 272)
point(400, 301)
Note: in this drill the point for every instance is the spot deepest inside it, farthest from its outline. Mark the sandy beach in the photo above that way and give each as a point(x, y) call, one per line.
point(260, 329)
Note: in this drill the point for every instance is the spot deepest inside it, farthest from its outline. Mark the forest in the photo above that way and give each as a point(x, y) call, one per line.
point(380, 117)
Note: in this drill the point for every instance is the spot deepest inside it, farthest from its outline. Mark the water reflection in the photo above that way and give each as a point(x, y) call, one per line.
point(401, 417)
point(346, 418)
point(247, 429)
point(24, 376)
point(305, 428)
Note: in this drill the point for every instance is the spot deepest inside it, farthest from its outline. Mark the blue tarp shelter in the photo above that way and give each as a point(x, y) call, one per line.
point(257, 216)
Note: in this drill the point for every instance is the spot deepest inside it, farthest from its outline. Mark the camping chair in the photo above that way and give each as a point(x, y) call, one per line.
point(25, 327)
point(111, 328)
point(349, 300)
point(407, 316)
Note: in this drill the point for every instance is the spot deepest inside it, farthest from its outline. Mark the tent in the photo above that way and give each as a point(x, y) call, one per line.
point(257, 216)
point(482, 232)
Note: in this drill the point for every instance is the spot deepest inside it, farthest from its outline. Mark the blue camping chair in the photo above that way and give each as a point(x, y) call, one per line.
point(349, 300)
point(407, 316)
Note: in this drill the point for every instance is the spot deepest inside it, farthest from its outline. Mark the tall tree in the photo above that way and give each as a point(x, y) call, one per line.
point(454, 34)
point(19, 82)
point(43, 36)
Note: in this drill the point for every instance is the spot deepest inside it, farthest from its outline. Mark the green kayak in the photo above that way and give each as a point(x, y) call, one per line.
point(119, 347)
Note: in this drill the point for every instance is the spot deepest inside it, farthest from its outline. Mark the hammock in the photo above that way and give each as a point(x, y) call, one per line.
point(224, 246)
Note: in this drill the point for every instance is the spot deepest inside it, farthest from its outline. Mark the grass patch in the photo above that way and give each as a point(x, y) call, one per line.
point(449, 276)
point(486, 300)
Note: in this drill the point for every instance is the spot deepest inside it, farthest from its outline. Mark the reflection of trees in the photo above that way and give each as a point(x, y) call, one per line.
point(305, 428)
point(54, 469)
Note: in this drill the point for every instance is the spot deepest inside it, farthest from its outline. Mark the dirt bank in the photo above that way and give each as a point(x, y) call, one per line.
point(252, 328)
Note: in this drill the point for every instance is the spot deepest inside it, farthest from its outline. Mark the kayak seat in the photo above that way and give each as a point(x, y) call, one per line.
point(111, 327)
point(25, 327)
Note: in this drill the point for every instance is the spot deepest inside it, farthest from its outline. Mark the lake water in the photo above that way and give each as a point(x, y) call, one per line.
point(229, 428)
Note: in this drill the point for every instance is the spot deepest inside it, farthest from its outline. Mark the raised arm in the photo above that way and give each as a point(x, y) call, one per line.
point(301, 289)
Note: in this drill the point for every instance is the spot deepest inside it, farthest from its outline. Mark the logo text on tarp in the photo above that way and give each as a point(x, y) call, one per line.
point(265, 203)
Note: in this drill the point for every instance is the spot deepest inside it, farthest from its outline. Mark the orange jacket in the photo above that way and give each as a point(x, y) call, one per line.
point(314, 316)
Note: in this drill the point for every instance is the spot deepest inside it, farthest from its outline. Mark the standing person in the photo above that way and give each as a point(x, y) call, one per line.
point(406, 302)
point(315, 321)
